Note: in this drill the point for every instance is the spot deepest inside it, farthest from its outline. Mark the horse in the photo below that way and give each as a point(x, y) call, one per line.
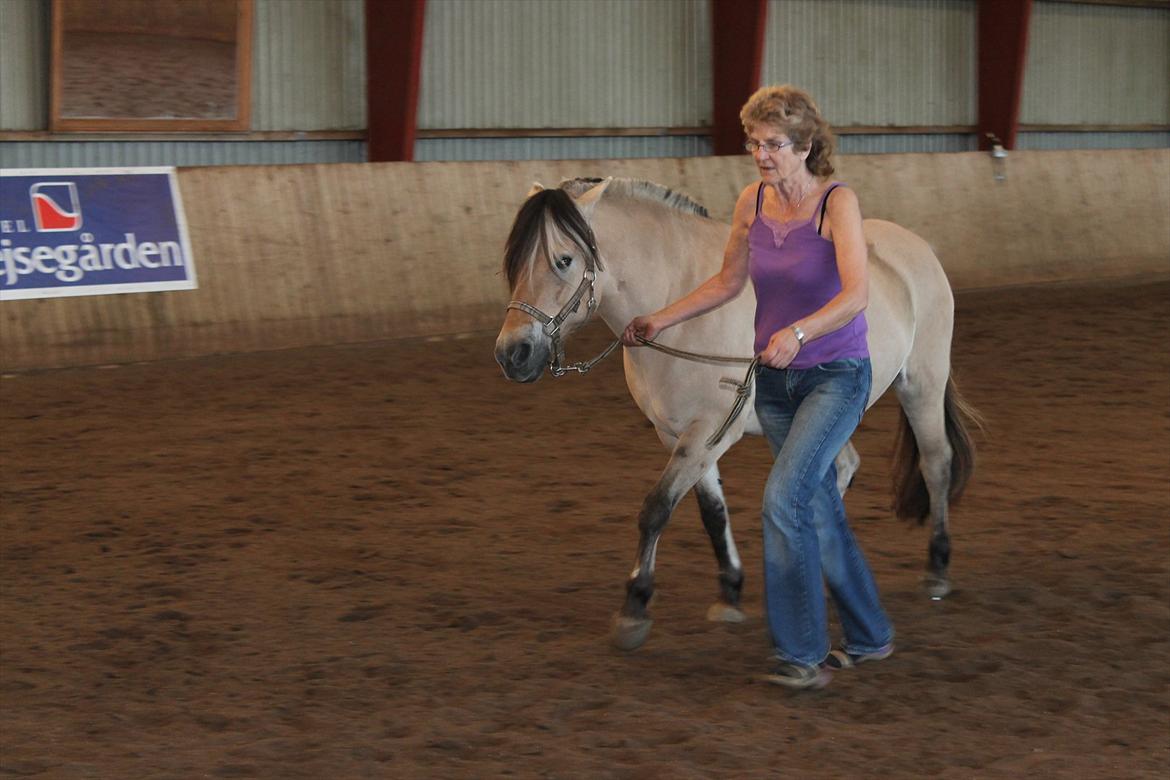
point(633, 246)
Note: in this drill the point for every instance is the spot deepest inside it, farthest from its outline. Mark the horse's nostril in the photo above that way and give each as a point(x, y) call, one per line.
point(520, 353)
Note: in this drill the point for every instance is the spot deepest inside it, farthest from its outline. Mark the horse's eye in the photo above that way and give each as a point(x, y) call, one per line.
point(564, 261)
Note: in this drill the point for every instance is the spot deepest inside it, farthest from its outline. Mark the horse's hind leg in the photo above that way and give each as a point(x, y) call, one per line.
point(713, 510)
point(848, 461)
point(923, 399)
point(689, 461)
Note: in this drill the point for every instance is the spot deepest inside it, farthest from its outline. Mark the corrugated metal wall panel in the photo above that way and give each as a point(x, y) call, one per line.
point(24, 64)
point(877, 63)
point(308, 65)
point(610, 147)
point(572, 63)
point(94, 154)
point(1097, 65)
point(504, 63)
point(1154, 140)
point(899, 143)
point(592, 148)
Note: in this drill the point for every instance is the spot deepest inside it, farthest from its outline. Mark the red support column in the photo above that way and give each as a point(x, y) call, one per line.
point(737, 53)
point(1003, 54)
point(394, 35)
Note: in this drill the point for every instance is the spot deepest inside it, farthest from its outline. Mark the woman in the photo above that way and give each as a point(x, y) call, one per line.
point(798, 236)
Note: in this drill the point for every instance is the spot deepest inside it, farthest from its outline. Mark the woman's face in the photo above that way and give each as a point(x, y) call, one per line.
point(780, 164)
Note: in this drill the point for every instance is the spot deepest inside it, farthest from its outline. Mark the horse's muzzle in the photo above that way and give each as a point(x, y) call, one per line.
point(521, 360)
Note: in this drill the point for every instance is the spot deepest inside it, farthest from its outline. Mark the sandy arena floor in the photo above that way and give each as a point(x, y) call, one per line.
point(385, 561)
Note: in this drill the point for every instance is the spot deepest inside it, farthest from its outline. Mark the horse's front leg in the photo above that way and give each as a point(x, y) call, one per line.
point(689, 460)
point(717, 521)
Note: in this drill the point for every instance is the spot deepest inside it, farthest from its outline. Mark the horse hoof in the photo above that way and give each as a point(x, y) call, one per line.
point(725, 613)
point(630, 633)
point(936, 587)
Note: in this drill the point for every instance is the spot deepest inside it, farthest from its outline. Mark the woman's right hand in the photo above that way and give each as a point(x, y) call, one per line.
point(644, 327)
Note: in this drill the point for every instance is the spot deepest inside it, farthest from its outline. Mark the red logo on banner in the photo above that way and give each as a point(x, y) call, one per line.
point(55, 206)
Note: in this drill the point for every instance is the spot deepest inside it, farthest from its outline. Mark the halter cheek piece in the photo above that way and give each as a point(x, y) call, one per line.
point(552, 325)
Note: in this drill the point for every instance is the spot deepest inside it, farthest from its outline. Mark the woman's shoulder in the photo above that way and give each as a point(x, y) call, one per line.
point(749, 192)
point(745, 204)
point(843, 207)
point(840, 192)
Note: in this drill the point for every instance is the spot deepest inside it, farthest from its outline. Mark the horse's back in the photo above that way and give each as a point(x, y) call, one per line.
point(908, 289)
point(908, 256)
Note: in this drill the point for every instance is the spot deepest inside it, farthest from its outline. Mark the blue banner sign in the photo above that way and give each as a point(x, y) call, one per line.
point(92, 231)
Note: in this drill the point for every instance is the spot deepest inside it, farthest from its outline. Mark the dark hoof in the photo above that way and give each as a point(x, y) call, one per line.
point(630, 633)
point(720, 612)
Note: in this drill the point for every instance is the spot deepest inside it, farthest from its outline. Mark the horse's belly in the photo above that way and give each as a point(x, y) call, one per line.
point(675, 394)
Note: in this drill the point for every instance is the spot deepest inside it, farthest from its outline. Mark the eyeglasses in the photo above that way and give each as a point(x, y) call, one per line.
point(771, 147)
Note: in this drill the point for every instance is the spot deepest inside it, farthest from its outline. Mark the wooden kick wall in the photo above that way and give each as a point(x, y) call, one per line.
point(291, 256)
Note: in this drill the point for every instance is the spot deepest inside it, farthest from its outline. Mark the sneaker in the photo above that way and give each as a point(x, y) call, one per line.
point(798, 677)
point(839, 659)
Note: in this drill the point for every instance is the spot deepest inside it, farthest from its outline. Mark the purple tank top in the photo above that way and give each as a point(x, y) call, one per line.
point(794, 272)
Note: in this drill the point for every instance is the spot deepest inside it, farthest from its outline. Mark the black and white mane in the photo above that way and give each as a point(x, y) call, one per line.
point(557, 205)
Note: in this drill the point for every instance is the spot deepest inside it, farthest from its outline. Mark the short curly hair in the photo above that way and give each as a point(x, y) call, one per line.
point(793, 111)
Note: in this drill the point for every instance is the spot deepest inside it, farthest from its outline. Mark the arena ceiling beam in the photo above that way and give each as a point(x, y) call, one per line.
point(1003, 55)
point(394, 41)
point(737, 54)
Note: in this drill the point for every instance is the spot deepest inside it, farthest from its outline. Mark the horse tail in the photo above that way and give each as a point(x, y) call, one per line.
point(911, 498)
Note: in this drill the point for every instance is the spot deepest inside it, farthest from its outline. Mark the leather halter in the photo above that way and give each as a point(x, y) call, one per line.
point(552, 325)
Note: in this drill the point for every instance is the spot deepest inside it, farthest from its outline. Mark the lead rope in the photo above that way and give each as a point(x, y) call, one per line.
point(742, 389)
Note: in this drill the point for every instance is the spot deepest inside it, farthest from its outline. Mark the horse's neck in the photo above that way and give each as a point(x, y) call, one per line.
point(651, 258)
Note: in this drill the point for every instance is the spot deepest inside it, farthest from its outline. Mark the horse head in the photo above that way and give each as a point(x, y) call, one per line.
point(551, 263)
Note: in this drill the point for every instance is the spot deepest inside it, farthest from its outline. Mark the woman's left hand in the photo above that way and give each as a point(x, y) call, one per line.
point(781, 349)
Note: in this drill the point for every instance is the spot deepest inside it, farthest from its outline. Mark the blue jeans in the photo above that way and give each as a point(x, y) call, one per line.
point(808, 415)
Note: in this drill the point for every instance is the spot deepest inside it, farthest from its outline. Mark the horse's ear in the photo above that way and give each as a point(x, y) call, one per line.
point(588, 200)
point(536, 187)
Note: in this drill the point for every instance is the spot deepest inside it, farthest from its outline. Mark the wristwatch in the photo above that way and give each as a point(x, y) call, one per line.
point(799, 334)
